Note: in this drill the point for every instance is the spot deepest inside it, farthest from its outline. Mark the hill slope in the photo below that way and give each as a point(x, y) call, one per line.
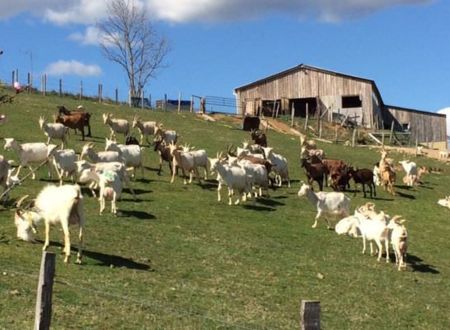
point(176, 258)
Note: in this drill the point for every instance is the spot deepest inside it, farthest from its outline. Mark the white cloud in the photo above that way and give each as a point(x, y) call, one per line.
point(91, 36)
point(72, 67)
point(179, 11)
point(446, 111)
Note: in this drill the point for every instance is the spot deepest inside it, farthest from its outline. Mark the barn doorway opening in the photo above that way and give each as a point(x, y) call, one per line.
point(269, 107)
point(301, 105)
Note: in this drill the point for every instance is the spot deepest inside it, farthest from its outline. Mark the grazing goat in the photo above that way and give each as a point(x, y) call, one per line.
point(327, 203)
point(77, 119)
point(376, 174)
point(183, 160)
point(363, 176)
point(29, 153)
point(375, 229)
point(259, 137)
point(279, 166)
point(234, 177)
point(411, 172)
point(145, 128)
point(64, 163)
point(101, 156)
point(119, 126)
point(314, 172)
point(54, 131)
point(399, 240)
point(131, 154)
point(55, 205)
point(168, 136)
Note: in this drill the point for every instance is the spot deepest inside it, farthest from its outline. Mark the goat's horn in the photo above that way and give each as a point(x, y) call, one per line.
point(20, 201)
point(395, 218)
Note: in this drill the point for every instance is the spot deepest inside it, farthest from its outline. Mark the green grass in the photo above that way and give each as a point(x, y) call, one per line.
point(177, 258)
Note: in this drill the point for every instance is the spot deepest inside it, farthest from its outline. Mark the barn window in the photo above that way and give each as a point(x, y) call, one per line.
point(351, 102)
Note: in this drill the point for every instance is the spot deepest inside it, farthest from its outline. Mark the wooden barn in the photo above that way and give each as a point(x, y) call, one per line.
point(329, 94)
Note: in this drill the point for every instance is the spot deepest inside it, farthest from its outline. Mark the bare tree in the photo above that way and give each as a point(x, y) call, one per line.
point(129, 39)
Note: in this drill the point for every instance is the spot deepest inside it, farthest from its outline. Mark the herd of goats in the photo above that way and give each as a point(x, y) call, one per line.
point(246, 171)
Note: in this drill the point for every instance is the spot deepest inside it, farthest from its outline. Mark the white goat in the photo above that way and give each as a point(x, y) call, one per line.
point(200, 159)
point(120, 126)
point(234, 177)
point(327, 203)
point(54, 131)
point(101, 156)
point(64, 163)
point(7, 178)
point(411, 172)
point(348, 226)
point(145, 128)
point(374, 229)
point(308, 153)
point(131, 154)
point(85, 168)
point(443, 154)
point(29, 153)
point(257, 176)
point(279, 166)
point(399, 240)
point(185, 161)
point(376, 175)
point(168, 136)
point(55, 205)
point(445, 202)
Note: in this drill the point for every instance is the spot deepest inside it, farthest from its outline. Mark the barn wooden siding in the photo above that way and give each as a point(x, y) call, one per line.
point(309, 82)
point(424, 126)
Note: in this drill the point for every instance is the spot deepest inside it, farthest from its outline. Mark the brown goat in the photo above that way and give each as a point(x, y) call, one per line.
point(62, 110)
point(314, 172)
point(364, 176)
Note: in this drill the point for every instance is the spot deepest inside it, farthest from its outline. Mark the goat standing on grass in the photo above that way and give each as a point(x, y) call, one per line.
point(185, 161)
point(364, 176)
point(327, 203)
point(55, 205)
point(36, 152)
point(168, 136)
point(64, 163)
point(145, 128)
point(234, 177)
point(7, 178)
point(119, 126)
point(101, 156)
point(399, 240)
point(131, 154)
point(279, 166)
point(54, 131)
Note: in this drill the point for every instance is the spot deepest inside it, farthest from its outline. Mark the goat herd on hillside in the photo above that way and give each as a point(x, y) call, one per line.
point(247, 171)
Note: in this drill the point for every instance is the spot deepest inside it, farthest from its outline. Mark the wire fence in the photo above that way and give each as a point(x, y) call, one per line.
point(108, 293)
point(101, 92)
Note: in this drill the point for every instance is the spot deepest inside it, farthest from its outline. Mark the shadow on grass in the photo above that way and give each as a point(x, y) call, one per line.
point(106, 260)
point(418, 265)
point(269, 202)
point(209, 185)
point(383, 199)
point(259, 208)
point(408, 196)
point(142, 215)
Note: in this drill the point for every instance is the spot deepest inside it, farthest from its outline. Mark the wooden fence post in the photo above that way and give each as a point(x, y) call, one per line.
point(43, 313)
point(191, 108)
point(307, 117)
point(117, 96)
point(81, 89)
point(45, 84)
point(392, 132)
point(336, 134)
point(17, 74)
point(292, 114)
point(60, 87)
point(354, 137)
point(310, 315)
point(179, 101)
point(165, 102)
point(142, 98)
point(29, 84)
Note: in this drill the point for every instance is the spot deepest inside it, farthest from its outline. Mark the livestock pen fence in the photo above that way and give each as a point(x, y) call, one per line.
point(309, 311)
point(49, 85)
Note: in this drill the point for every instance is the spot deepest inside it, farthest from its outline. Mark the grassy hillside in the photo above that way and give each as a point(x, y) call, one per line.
point(176, 258)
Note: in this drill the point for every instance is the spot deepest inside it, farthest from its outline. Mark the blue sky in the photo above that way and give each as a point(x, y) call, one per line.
point(217, 45)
